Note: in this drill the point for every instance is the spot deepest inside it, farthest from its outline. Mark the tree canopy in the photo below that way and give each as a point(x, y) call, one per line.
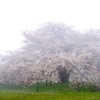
point(56, 52)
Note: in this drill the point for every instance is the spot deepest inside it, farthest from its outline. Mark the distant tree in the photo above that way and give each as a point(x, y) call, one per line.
point(54, 52)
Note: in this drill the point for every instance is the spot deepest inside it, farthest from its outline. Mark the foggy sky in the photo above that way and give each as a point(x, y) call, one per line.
point(19, 15)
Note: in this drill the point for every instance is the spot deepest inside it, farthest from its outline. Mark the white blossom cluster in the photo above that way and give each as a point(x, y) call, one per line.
point(48, 48)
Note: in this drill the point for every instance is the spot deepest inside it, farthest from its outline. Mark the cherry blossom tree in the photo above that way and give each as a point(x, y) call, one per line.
point(50, 50)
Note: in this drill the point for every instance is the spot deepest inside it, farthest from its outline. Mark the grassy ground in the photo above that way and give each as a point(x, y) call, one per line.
point(54, 92)
point(16, 95)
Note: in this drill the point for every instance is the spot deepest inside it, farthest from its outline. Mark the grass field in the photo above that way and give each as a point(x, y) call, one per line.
point(16, 95)
point(54, 92)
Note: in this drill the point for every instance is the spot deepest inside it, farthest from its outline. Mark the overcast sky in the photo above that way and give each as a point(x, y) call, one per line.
point(20, 15)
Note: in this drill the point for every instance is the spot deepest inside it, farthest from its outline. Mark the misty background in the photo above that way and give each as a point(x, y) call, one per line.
point(17, 16)
point(50, 40)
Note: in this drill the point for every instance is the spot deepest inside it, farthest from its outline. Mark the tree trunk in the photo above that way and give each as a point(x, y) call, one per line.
point(37, 86)
point(50, 83)
point(46, 82)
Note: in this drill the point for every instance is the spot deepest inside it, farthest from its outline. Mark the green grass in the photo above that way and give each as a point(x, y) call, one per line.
point(16, 95)
point(55, 92)
point(55, 88)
